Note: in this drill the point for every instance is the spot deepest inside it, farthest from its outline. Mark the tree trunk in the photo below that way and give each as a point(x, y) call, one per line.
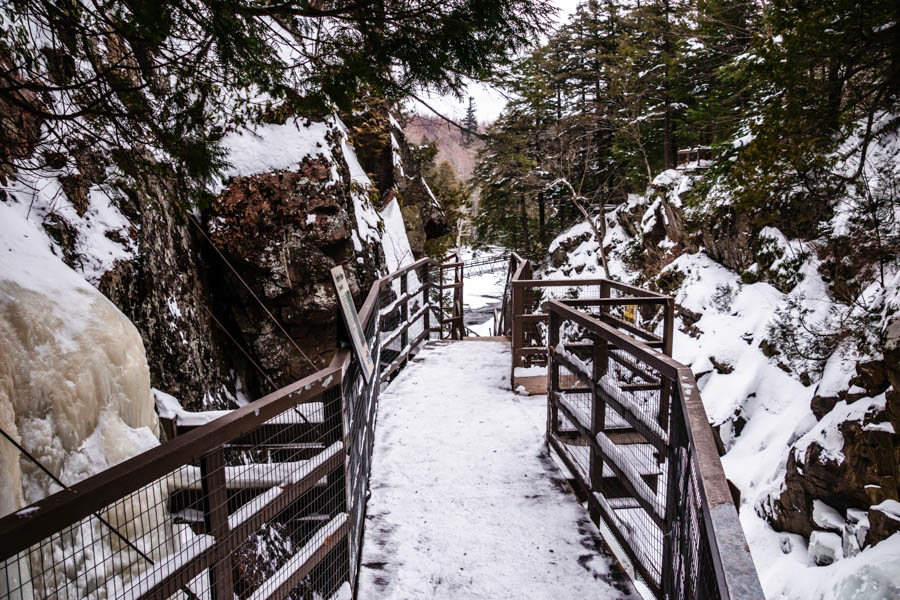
point(524, 215)
point(542, 220)
point(668, 142)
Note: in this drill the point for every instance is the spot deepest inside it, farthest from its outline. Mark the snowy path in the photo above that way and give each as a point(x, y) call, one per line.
point(466, 502)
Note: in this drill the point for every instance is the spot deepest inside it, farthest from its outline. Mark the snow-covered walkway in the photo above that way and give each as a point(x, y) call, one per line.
point(466, 502)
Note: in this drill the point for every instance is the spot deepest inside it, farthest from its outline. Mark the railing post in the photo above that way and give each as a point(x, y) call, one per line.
point(553, 374)
point(599, 362)
point(338, 419)
point(404, 312)
point(517, 308)
point(458, 300)
point(441, 300)
point(669, 325)
point(426, 296)
point(676, 489)
point(215, 509)
point(605, 292)
point(665, 393)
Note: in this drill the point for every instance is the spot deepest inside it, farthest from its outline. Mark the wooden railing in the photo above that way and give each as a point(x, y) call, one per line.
point(525, 316)
point(288, 472)
point(629, 424)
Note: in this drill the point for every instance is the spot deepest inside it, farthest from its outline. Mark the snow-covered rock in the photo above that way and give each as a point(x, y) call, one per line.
point(825, 548)
point(819, 463)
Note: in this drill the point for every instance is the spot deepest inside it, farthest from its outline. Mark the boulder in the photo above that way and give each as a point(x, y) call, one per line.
point(870, 462)
point(283, 231)
point(825, 548)
point(884, 521)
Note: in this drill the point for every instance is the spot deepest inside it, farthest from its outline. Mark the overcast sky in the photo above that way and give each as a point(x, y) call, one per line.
point(488, 101)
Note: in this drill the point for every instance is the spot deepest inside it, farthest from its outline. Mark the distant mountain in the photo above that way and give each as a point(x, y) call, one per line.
point(421, 129)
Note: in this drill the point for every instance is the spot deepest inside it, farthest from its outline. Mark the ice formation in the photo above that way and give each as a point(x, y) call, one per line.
point(74, 380)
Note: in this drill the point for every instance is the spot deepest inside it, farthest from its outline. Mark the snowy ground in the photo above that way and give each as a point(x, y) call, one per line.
point(466, 502)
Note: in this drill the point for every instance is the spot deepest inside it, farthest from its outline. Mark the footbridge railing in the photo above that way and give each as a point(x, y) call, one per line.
point(266, 501)
point(490, 264)
point(628, 422)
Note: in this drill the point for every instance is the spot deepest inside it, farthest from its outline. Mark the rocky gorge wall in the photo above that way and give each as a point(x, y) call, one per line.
point(200, 283)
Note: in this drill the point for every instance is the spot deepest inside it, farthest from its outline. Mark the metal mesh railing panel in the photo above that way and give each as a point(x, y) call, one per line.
point(621, 426)
point(692, 566)
point(277, 509)
point(243, 516)
point(360, 404)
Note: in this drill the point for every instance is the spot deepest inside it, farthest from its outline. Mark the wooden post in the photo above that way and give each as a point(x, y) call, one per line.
point(675, 491)
point(215, 508)
point(669, 325)
point(553, 374)
point(426, 297)
point(518, 307)
point(459, 291)
point(343, 477)
point(441, 301)
point(665, 389)
point(404, 312)
point(598, 409)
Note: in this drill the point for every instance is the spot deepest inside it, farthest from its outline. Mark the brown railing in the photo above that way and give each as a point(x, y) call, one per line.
point(525, 316)
point(452, 323)
point(628, 422)
point(257, 503)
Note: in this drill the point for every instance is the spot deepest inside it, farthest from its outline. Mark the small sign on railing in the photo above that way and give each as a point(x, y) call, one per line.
point(630, 313)
point(351, 319)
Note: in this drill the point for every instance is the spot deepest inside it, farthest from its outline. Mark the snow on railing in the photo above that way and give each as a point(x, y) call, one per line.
point(628, 423)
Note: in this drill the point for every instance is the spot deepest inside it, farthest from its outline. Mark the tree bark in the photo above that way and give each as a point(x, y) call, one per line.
point(542, 220)
point(524, 216)
point(590, 221)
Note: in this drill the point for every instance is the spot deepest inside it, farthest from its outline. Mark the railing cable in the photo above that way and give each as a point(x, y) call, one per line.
point(246, 354)
point(58, 482)
point(278, 324)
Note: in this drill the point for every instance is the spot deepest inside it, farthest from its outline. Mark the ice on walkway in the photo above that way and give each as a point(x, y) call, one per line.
point(466, 502)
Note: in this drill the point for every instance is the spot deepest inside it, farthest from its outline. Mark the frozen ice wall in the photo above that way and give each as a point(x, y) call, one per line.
point(74, 380)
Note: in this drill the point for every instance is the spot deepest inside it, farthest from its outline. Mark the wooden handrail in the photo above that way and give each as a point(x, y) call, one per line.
point(687, 444)
point(206, 445)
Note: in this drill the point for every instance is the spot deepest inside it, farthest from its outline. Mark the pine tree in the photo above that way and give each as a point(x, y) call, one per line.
point(470, 122)
point(171, 77)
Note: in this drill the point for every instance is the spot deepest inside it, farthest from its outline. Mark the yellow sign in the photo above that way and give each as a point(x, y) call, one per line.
point(630, 312)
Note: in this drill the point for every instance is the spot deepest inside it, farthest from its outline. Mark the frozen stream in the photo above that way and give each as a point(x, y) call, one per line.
point(481, 295)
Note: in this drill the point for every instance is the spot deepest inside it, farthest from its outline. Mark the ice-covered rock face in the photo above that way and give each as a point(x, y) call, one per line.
point(74, 380)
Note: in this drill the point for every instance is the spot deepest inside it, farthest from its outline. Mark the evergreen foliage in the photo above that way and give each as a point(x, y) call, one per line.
point(774, 88)
point(453, 196)
point(166, 79)
point(470, 122)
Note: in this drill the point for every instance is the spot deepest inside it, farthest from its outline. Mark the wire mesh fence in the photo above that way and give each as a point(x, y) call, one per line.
point(618, 418)
point(200, 519)
point(265, 501)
